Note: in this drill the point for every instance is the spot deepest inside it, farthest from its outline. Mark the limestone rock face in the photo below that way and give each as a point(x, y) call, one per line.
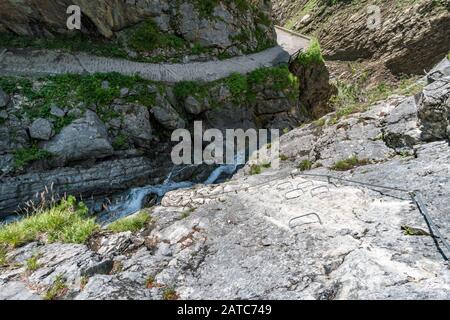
point(135, 122)
point(411, 37)
point(84, 138)
point(314, 87)
point(166, 115)
point(434, 112)
point(216, 28)
point(41, 129)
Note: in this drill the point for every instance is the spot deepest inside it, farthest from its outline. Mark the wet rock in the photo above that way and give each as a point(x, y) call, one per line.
point(97, 180)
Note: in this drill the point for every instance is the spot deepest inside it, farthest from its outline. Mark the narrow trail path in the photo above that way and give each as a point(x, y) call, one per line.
point(44, 62)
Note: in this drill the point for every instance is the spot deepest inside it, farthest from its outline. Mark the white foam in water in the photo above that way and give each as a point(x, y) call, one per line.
point(134, 200)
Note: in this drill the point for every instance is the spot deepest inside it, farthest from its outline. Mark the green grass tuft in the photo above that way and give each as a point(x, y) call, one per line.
point(3, 259)
point(305, 165)
point(66, 222)
point(32, 263)
point(57, 289)
point(348, 164)
point(133, 223)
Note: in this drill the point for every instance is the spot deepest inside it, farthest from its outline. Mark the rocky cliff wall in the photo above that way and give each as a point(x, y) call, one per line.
point(411, 37)
point(231, 26)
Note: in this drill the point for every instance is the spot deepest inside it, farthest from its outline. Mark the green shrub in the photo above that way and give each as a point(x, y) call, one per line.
point(24, 156)
point(67, 222)
point(133, 223)
point(305, 165)
point(184, 89)
point(237, 83)
point(120, 142)
point(313, 55)
point(255, 169)
point(148, 37)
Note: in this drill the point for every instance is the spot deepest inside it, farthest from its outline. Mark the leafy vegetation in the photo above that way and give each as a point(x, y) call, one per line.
point(305, 165)
point(243, 88)
point(148, 37)
point(348, 164)
point(3, 259)
point(76, 43)
point(67, 222)
point(57, 289)
point(170, 294)
point(133, 223)
point(70, 91)
point(258, 168)
point(24, 156)
point(32, 263)
point(313, 55)
point(354, 97)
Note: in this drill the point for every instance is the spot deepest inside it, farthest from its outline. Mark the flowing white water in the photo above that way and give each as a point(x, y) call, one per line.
point(133, 201)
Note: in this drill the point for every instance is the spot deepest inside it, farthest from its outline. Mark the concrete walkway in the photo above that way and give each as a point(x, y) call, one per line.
point(44, 62)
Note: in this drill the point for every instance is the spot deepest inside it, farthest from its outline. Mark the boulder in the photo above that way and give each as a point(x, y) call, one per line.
point(136, 122)
point(166, 115)
point(193, 106)
point(85, 138)
point(41, 129)
point(434, 110)
point(57, 111)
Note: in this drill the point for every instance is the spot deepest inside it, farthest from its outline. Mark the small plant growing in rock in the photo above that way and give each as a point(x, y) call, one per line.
point(348, 164)
point(305, 165)
point(67, 222)
point(185, 214)
point(24, 156)
point(83, 282)
point(57, 289)
point(284, 157)
point(312, 55)
point(405, 154)
point(150, 282)
point(32, 263)
point(120, 142)
point(3, 259)
point(133, 223)
point(170, 294)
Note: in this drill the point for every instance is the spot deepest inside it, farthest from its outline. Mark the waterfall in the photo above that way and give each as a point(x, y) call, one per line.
point(134, 199)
